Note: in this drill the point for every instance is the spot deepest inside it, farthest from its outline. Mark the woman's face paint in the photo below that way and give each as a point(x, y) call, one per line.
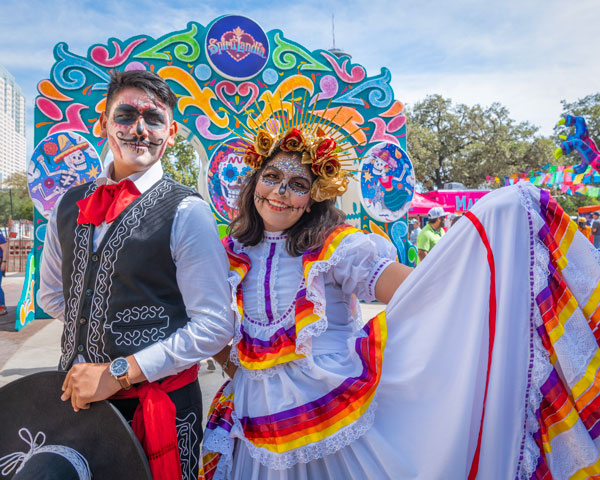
point(138, 129)
point(282, 193)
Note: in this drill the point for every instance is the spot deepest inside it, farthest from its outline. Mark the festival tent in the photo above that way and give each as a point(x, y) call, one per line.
point(421, 205)
point(588, 209)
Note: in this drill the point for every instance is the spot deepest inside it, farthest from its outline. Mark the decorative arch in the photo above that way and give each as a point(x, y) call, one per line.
point(221, 73)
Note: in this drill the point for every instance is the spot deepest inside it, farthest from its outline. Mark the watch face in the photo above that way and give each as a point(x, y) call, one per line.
point(119, 367)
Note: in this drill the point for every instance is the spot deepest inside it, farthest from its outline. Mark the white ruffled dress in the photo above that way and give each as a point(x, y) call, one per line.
point(271, 290)
point(485, 364)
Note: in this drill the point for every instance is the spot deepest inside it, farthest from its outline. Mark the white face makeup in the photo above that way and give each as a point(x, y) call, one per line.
point(138, 129)
point(282, 192)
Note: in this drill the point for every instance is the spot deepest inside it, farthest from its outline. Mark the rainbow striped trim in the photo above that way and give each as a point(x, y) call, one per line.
point(219, 416)
point(257, 354)
point(563, 407)
point(321, 418)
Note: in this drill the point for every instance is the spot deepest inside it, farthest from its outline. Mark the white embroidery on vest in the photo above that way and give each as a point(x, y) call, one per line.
point(102, 289)
point(80, 261)
point(186, 441)
point(139, 325)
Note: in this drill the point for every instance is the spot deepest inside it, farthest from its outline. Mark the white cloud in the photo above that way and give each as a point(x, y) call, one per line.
point(528, 55)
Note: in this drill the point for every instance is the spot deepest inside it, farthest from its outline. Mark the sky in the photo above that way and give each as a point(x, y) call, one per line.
point(527, 55)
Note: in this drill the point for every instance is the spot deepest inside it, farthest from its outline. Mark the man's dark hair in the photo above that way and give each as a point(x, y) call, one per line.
point(153, 85)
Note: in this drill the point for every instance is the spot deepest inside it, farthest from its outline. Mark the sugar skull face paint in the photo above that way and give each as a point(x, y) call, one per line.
point(282, 192)
point(138, 128)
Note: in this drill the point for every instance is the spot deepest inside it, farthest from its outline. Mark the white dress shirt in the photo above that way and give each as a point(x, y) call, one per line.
point(202, 269)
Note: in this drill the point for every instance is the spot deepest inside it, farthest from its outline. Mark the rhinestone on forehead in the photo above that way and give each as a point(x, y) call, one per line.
point(290, 166)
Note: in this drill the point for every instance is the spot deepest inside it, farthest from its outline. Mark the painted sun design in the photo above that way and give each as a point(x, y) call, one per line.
point(93, 172)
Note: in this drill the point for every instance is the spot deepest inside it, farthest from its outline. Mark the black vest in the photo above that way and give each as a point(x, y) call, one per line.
point(124, 296)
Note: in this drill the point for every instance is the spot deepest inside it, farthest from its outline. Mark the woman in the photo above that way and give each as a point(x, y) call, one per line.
point(318, 394)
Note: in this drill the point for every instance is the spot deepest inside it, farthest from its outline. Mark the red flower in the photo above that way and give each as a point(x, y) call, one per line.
point(252, 159)
point(325, 147)
point(293, 141)
point(50, 148)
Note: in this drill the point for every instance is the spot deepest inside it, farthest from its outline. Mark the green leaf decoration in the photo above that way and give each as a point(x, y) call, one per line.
point(188, 49)
point(284, 56)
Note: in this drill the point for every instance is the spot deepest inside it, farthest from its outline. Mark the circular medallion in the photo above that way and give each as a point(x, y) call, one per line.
point(237, 47)
point(387, 182)
point(60, 161)
point(226, 174)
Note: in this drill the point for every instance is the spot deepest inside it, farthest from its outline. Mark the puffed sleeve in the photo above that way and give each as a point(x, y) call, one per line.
point(362, 259)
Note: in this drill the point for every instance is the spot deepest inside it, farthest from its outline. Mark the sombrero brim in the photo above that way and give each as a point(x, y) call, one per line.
point(100, 434)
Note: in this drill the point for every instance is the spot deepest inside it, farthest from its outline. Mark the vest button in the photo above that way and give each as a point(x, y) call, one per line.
point(88, 292)
point(80, 348)
point(95, 257)
point(82, 320)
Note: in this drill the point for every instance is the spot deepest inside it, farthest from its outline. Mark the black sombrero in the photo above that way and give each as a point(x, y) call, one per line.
point(42, 437)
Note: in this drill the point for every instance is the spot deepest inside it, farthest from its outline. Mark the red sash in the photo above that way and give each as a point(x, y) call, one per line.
point(154, 422)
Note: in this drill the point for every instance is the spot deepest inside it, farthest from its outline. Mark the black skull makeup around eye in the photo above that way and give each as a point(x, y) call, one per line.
point(128, 115)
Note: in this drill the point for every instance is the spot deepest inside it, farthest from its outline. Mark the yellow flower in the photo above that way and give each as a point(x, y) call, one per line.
point(324, 189)
point(327, 167)
point(263, 143)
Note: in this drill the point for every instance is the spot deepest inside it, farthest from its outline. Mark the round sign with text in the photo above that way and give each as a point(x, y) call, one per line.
point(237, 47)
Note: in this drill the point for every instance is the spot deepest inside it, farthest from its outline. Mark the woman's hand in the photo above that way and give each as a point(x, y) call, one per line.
point(222, 359)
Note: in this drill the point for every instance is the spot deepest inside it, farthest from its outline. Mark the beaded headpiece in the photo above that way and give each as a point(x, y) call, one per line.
point(311, 135)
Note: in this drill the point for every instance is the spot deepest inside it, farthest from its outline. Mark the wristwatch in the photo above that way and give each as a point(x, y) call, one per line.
point(119, 368)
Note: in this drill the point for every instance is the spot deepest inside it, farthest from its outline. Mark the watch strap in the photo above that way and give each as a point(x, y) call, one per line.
point(124, 381)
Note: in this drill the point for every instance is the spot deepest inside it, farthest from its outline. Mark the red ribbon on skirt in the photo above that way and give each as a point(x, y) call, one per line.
point(154, 422)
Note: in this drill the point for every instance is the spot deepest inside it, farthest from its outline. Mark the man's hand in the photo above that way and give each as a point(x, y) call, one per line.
point(88, 382)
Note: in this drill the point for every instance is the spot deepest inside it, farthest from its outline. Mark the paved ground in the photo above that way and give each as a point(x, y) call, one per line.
point(37, 346)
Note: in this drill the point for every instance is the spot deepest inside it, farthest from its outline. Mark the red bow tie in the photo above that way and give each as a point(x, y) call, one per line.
point(107, 202)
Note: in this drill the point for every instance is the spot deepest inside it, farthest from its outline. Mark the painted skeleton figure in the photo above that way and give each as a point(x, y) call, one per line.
point(66, 177)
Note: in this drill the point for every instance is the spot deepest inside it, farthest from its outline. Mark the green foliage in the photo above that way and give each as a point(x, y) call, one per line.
point(22, 206)
point(181, 163)
point(458, 143)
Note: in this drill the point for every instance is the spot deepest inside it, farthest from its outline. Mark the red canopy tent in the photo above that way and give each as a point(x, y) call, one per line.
point(421, 205)
point(588, 209)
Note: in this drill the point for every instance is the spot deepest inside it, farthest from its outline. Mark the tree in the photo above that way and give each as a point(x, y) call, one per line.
point(458, 143)
point(181, 163)
point(15, 189)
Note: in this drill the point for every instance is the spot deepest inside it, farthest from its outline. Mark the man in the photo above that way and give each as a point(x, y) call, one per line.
point(133, 264)
point(432, 232)
point(585, 228)
point(596, 229)
point(3, 265)
point(415, 230)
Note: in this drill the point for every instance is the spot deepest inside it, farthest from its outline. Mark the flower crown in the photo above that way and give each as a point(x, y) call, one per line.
point(310, 135)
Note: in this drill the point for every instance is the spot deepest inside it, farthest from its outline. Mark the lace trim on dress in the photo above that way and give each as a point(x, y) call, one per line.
point(539, 365)
point(315, 292)
point(342, 438)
